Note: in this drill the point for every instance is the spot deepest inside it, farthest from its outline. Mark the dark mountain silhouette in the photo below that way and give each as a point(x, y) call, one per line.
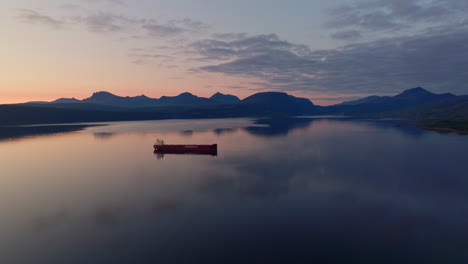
point(224, 98)
point(265, 104)
point(451, 108)
point(445, 111)
point(106, 98)
point(66, 101)
point(41, 114)
point(446, 115)
point(104, 106)
point(276, 98)
point(279, 102)
point(407, 99)
point(420, 95)
point(185, 99)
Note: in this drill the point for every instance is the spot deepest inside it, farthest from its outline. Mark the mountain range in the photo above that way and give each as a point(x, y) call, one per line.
point(415, 104)
point(106, 98)
point(379, 104)
point(274, 101)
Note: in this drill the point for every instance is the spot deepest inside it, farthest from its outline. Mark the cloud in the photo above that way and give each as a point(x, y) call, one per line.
point(348, 35)
point(350, 17)
point(35, 17)
point(95, 22)
point(144, 57)
point(394, 15)
point(174, 27)
point(158, 30)
point(435, 59)
point(70, 7)
point(110, 2)
point(107, 22)
point(229, 36)
point(190, 24)
point(230, 46)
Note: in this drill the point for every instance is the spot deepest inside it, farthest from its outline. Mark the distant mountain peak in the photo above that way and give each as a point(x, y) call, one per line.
point(186, 94)
point(66, 100)
point(274, 97)
point(224, 98)
point(415, 91)
point(102, 94)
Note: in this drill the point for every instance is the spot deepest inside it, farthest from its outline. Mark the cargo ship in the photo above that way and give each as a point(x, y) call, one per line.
point(161, 147)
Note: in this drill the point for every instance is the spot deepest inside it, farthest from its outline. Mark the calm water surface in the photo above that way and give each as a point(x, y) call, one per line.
point(281, 191)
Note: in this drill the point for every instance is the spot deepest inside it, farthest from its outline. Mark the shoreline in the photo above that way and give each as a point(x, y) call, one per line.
point(457, 126)
point(17, 132)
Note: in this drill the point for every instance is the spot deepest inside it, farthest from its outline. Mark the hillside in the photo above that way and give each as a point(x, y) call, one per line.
point(104, 98)
point(96, 110)
point(280, 102)
point(407, 99)
point(446, 115)
point(224, 98)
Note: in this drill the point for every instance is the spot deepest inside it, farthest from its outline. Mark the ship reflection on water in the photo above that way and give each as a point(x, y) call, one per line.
point(160, 154)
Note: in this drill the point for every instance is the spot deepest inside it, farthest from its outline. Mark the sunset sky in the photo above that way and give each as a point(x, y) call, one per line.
point(325, 50)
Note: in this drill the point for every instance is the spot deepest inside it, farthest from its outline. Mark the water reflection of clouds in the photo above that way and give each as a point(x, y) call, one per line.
point(334, 190)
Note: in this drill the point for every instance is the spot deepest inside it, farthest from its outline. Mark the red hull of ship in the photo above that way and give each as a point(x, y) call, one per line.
point(198, 149)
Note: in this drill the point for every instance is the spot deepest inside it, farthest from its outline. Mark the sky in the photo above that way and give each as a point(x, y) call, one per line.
point(326, 50)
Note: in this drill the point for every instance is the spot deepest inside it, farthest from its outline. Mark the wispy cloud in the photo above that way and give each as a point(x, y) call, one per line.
point(158, 30)
point(111, 2)
point(373, 16)
point(232, 46)
point(110, 22)
point(348, 35)
point(144, 57)
point(174, 27)
point(35, 17)
point(190, 24)
point(107, 22)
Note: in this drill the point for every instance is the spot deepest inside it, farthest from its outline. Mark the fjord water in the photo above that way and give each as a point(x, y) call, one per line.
point(285, 191)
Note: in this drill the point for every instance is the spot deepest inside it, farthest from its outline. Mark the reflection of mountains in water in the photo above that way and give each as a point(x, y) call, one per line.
point(271, 127)
point(283, 126)
point(278, 127)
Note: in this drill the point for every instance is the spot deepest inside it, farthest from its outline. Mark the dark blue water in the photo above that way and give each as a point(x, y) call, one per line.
point(280, 191)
